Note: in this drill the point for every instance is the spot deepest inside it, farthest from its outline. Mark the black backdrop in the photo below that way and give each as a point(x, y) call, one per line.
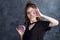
point(12, 14)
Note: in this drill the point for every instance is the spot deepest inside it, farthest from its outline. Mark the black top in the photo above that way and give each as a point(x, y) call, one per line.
point(37, 32)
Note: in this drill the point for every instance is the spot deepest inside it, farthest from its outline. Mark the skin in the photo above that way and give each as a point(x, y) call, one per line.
point(31, 13)
point(32, 16)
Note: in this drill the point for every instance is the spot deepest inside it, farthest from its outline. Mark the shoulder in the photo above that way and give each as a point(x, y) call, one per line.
point(44, 23)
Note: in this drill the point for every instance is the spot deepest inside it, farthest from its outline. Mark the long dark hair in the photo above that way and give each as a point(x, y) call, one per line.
point(29, 4)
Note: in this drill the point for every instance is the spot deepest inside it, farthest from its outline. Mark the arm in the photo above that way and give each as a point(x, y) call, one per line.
point(21, 29)
point(53, 22)
point(21, 33)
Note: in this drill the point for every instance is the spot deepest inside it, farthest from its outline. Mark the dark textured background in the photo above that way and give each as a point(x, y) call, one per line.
point(12, 14)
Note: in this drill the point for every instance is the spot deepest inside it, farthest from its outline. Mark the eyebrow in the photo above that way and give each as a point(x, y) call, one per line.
point(28, 12)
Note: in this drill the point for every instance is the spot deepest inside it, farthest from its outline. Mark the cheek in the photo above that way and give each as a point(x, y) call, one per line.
point(28, 15)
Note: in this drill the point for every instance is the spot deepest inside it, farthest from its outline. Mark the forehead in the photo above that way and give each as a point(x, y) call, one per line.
point(30, 9)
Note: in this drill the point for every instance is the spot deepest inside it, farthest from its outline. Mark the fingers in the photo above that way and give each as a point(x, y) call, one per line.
point(39, 12)
point(20, 32)
point(16, 29)
point(38, 9)
point(21, 29)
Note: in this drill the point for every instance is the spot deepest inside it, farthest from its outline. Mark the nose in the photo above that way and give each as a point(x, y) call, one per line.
point(31, 15)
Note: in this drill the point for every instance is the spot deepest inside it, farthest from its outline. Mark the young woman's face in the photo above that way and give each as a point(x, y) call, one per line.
point(31, 13)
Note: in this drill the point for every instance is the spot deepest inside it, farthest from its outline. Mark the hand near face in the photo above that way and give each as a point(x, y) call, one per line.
point(36, 12)
point(32, 13)
point(39, 12)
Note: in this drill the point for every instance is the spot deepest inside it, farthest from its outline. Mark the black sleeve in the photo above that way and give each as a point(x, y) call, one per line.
point(46, 25)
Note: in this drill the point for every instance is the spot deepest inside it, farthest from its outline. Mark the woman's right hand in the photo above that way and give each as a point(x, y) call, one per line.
point(21, 29)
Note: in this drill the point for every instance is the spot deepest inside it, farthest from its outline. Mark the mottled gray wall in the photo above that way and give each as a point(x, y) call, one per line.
point(12, 14)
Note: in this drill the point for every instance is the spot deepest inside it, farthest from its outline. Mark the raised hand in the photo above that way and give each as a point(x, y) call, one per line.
point(39, 12)
point(21, 29)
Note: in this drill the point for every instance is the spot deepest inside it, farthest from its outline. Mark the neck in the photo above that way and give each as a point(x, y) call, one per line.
point(32, 21)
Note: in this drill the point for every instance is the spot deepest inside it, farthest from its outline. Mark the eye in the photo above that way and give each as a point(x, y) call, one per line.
point(28, 12)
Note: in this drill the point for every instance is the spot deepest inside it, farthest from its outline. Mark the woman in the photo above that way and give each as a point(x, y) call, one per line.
point(35, 26)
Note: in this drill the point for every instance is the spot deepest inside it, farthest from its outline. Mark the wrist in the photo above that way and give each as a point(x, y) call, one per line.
point(41, 15)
